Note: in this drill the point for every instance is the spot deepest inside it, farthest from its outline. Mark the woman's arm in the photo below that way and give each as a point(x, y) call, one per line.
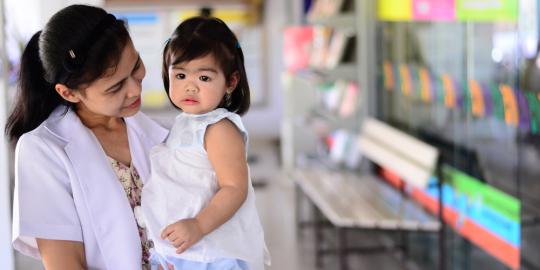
point(61, 254)
point(226, 152)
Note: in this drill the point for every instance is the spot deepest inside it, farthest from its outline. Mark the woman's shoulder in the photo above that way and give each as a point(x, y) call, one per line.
point(38, 142)
point(148, 127)
point(41, 136)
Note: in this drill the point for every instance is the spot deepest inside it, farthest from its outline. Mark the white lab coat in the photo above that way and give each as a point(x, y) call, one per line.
point(66, 189)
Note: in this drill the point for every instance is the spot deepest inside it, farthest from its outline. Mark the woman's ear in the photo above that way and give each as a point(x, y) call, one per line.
point(66, 93)
point(233, 82)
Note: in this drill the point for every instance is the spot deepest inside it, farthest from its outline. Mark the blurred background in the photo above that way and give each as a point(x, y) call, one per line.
point(460, 75)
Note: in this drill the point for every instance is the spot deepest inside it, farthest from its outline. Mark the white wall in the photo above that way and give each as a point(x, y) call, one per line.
point(264, 121)
point(6, 252)
point(25, 17)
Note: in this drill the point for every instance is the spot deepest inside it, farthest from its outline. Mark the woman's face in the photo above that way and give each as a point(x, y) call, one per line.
point(118, 93)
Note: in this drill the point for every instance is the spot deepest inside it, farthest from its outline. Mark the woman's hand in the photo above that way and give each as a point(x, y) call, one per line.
point(183, 234)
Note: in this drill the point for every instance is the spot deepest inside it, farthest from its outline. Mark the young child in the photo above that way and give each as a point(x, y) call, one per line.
point(199, 206)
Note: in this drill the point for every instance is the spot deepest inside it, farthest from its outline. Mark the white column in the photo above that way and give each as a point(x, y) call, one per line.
point(6, 252)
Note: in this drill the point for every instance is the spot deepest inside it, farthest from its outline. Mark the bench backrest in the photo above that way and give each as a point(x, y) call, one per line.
point(413, 160)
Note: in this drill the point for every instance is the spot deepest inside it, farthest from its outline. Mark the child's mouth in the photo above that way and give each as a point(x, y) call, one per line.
point(190, 101)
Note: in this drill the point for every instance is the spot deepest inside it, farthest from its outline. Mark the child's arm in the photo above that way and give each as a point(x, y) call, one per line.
point(226, 151)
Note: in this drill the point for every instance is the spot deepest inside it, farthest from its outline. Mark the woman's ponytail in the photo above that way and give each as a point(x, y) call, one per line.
point(78, 45)
point(36, 97)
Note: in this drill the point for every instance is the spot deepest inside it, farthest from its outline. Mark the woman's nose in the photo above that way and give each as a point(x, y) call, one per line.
point(134, 87)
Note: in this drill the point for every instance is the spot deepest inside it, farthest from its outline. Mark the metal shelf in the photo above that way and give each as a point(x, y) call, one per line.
point(343, 20)
point(346, 71)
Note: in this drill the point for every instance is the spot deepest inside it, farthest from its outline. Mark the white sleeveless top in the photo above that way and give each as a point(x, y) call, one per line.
point(183, 182)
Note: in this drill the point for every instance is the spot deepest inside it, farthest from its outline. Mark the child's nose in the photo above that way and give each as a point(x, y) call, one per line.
point(191, 89)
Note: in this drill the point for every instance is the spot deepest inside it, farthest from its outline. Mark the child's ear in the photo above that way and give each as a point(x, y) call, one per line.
point(233, 82)
point(66, 93)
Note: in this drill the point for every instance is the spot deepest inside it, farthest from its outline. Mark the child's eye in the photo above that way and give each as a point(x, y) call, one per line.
point(204, 78)
point(180, 76)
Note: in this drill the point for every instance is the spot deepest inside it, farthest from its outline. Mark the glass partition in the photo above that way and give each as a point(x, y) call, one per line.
point(464, 76)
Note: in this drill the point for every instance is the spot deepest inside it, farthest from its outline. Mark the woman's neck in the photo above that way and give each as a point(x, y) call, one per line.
point(95, 121)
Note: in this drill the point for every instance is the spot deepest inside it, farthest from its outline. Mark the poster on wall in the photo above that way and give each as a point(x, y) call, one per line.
point(150, 29)
point(148, 32)
point(395, 10)
point(487, 10)
point(486, 216)
point(448, 10)
point(434, 10)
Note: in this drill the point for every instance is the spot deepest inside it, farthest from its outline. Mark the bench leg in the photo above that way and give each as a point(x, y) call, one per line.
point(404, 243)
point(318, 233)
point(298, 208)
point(466, 254)
point(341, 248)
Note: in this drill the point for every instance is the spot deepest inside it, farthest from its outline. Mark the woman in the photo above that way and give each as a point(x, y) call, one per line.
point(82, 144)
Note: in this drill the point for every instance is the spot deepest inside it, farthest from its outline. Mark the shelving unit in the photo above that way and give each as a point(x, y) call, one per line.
point(343, 20)
point(303, 99)
point(312, 135)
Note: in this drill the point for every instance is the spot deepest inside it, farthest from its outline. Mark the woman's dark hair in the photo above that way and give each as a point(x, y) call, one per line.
point(78, 45)
point(201, 36)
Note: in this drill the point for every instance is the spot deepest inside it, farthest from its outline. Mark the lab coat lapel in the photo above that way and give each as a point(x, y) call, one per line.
point(143, 134)
point(109, 208)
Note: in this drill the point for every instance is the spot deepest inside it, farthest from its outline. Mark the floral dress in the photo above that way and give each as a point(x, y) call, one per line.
point(132, 184)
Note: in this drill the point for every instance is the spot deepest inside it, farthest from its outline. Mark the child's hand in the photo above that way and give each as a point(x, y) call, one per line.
point(183, 234)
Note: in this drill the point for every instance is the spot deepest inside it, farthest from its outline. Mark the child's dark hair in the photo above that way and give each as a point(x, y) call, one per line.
point(201, 36)
point(77, 46)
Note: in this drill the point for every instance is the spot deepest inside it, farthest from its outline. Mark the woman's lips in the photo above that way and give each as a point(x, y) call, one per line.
point(135, 104)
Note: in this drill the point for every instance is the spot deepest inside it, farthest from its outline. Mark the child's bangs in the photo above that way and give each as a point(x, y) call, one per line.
point(190, 51)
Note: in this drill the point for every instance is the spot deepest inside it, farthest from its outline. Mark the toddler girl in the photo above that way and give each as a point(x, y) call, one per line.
point(199, 206)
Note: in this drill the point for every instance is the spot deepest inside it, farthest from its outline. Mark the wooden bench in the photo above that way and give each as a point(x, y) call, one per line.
point(351, 200)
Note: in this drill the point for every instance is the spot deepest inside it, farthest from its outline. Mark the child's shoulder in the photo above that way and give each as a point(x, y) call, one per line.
point(195, 130)
point(223, 125)
point(226, 125)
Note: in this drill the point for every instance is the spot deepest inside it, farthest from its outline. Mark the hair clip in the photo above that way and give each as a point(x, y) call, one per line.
point(167, 41)
point(72, 54)
point(238, 45)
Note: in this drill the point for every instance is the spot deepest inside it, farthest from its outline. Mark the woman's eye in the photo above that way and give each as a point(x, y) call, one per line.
point(204, 78)
point(180, 76)
point(115, 90)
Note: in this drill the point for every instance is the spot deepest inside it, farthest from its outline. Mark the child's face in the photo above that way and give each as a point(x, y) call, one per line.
point(198, 86)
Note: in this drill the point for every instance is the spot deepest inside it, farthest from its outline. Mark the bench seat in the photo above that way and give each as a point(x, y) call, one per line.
point(362, 201)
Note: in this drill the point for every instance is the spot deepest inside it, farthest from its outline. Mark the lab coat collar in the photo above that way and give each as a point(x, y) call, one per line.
point(110, 212)
point(62, 118)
